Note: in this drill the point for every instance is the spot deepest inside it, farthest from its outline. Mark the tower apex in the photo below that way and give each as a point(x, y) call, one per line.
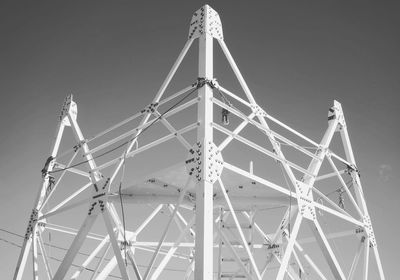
point(205, 20)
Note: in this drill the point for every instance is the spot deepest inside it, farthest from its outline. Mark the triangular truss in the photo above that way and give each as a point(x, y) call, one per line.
point(210, 217)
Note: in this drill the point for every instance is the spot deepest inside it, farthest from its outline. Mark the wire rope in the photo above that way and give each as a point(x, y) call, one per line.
point(131, 140)
point(65, 249)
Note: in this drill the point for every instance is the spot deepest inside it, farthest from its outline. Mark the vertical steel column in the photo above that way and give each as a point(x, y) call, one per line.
point(204, 189)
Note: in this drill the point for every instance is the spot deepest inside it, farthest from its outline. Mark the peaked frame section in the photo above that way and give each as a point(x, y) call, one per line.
point(214, 204)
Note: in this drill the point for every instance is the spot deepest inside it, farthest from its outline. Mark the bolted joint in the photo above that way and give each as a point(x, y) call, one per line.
point(205, 20)
point(369, 231)
point(125, 244)
point(201, 82)
point(79, 145)
point(91, 208)
point(41, 224)
point(32, 223)
point(65, 109)
point(258, 111)
point(106, 183)
point(352, 170)
point(336, 113)
point(102, 205)
point(322, 151)
point(151, 108)
point(204, 164)
point(305, 200)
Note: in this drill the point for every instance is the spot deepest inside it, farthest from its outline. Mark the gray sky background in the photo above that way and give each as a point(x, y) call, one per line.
point(296, 56)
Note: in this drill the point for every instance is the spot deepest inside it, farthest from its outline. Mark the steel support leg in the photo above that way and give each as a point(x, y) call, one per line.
point(75, 246)
point(289, 248)
point(204, 189)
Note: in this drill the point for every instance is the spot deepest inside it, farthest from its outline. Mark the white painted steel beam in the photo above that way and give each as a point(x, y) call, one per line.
point(171, 251)
point(148, 219)
point(171, 73)
point(135, 116)
point(243, 238)
point(266, 130)
point(114, 243)
point(378, 262)
point(65, 208)
point(310, 261)
point(99, 263)
point(326, 250)
point(289, 248)
point(35, 266)
point(358, 188)
point(204, 189)
point(237, 201)
point(107, 269)
point(48, 196)
point(175, 95)
point(237, 72)
point(72, 231)
point(164, 234)
point(90, 258)
point(171, 129)
point(235, 255)
point(134, 265)
point(330, 175)
point(237, 130)
point(69, 198)
point(289, 270)
point(259, 179)
point(261, 149)
point(344, 186)
point(231, 94)
point(146, 147)
point(45, 258)
point(331, 203)
point(75, 246)
point(181, 219)
point(356, 260)
point(366, 259)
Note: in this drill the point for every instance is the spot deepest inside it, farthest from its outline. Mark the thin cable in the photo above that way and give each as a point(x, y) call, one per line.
point(226, 100)
point(80, 253)
point(349, 186)
point(10, 242)
point(12, 233)
point(131, 140)
point(336, 247)
point(56, 259)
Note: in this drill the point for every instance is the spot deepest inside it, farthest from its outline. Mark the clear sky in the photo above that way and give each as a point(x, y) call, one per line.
point(296, 56)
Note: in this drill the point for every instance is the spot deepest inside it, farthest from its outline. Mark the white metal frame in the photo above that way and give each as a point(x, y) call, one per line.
point(204, 231)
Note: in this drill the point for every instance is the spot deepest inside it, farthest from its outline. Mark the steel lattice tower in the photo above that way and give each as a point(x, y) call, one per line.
point(207, 213)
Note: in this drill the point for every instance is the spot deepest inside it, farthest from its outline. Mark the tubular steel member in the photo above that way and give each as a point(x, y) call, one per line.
point(224, 222)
